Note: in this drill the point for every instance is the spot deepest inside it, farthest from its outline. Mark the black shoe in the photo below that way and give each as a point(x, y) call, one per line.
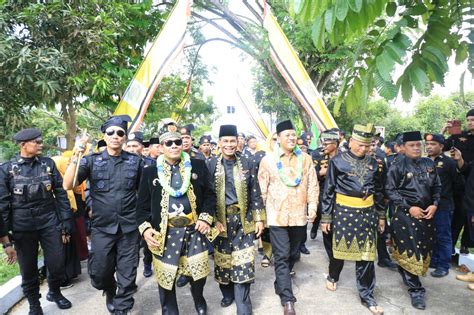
point(59, 299)
point(313, 234)
point(147, 271)
point(439, 273)
point(227, 301)
point(387, 263)
point(292, 273)
point(464, 250)
point(66, 285)
point(35, 309)
point(182, 281)
point(109, 299)
point(201, 309)
point(121, 312)
point(304, 250)
point(418, 303)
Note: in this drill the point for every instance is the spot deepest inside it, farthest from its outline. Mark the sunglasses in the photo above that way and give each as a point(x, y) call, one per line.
point(169, 143)
point(119, 133)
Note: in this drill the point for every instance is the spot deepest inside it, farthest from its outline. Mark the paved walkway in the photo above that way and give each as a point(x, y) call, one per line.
point(444, 296)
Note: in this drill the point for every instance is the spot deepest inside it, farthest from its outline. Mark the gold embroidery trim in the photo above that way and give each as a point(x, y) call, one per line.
point(165, 274)
point(236, 258)
point(354, 252)
point(206, 217)
point(411, 263)
point(144, 226)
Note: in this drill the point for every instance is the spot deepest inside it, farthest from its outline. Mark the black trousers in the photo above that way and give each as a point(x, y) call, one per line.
point(382, 251)
point(169, 304)
point(415, 288)
point(315, 227)
point(26, 245)
point(286, 243)
point(147, 255)
point(240, 292)
point(365, 277)
point(115, 254)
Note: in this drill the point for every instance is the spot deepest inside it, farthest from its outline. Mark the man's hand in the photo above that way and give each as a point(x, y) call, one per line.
point(259, 227)
point(203, 227)
point(11, 255)
point(220, 227)
point(416, 212)
point(149, 238)
point(81, 145)
point(65, 238)
point(430, 211)
point(323, 171)
point(445, 128)
point(311, 216)
point(325, 227)
point(381, 226)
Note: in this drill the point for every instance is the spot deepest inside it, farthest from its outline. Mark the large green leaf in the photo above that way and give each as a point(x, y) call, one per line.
point(406, 87)
point(385, 65)
point(435, 73)
point(329, 19)
point(436, 56)
point(391, 8)
point(342, 7)
point(355, 5)
point(317, 33)
point(419, 79)
point(418, 9)
point(386, 89)
point(395, 52)
point(461, 53)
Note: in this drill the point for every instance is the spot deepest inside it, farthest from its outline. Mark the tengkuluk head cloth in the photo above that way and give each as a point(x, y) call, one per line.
point(119, 121)
point(168, 129)
point(330, 135)
point(284, 125)
point(27, 134)
point(412, 136)
point(434, 137)
point(135, 136)
point(363, 133)
point(228, 131)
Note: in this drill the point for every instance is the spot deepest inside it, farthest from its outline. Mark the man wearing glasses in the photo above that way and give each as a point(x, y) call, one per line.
point(174, 215)
point(114, 175)
point(36, 209)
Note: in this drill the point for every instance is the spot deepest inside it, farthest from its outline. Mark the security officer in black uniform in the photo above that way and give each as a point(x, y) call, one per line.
point(36, 209)
point(188, 141)
point(114, 175)
point(464, 142)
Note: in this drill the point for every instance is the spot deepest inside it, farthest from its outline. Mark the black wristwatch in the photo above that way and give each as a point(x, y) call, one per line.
point(6, 245)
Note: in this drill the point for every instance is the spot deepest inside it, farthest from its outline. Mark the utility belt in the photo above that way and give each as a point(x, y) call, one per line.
point(181, 221)
point(354, 202)
point(232, 209)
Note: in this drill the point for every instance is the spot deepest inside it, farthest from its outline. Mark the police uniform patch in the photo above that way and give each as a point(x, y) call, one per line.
point(462, 139)
point(132, 136)
point(440, 164)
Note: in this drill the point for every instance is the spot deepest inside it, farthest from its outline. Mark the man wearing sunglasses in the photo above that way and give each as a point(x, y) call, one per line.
point(114, 175)
point(240, 218)
point(36, 209)
point(174, 215)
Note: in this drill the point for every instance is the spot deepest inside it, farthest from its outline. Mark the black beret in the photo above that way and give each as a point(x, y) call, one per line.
point(135, 136)
point(302, 141)
point(470, 112)
point(399, 139)
point(101, 144)
point(284, 125)
point(306, 134)
point(412, 136)
point(390, 145)
point(154, 140)
point(27, 134)
point(119, 121)
point(146, 144)
point(228, 131)
point(434, 137)
point(187, 130)
point(205, 139)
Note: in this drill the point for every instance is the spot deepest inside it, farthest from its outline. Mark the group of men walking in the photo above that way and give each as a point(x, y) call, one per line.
point(185, 204)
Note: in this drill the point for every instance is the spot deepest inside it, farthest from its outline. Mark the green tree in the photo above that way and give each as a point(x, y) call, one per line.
point(418, 35)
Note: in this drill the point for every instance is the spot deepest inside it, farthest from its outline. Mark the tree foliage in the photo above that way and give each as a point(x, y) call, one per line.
point(419, 36)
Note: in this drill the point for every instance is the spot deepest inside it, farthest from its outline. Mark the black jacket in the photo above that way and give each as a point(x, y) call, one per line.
point(413, 183)
point(113, 189)
point(149, 194)
point(352, 176)
point(32, 195)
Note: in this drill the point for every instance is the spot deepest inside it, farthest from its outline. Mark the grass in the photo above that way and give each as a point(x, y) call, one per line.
point(7, 271)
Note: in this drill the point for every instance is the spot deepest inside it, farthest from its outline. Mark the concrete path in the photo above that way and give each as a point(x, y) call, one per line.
point(444, 296)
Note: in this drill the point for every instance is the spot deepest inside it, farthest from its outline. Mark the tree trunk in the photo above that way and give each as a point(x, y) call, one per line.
point(69, 115)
